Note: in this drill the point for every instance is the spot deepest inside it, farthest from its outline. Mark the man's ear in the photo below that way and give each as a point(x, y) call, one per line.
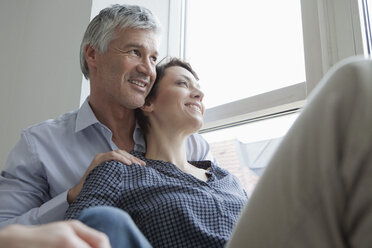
point(90, 56)
point(147, 107)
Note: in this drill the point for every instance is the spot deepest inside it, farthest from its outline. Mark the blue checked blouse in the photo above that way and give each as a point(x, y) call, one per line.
point(171, 208)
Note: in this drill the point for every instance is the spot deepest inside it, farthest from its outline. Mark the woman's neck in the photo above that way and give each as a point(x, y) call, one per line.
point(167, 146)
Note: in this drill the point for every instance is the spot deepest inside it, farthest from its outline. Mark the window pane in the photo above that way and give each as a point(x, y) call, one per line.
point(244, 48)
point(245, 150)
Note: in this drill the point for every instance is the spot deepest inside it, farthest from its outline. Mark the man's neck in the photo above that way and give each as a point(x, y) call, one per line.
point(120, 120)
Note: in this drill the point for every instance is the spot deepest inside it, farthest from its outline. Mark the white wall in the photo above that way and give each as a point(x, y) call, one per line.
point(40, 76)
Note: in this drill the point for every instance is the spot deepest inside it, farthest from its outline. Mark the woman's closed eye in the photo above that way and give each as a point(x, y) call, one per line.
point(183, 83)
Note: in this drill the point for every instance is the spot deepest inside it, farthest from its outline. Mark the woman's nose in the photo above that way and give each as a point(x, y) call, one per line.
point(197, 93)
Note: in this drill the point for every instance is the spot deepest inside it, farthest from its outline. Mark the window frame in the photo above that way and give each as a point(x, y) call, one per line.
point(364, 11)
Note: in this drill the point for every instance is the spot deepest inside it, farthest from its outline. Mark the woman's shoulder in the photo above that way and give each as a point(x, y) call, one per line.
point(106, 171)
point(138, 154)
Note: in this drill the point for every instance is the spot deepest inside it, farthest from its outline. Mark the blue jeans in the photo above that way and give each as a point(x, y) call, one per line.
point(116, 224)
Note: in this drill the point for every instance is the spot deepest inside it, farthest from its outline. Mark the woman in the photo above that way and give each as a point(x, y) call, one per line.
point(174, 202)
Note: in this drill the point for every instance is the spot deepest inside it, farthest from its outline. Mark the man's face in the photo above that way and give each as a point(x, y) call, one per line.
point(125, 74)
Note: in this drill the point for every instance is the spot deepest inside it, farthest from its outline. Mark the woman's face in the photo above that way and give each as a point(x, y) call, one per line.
point(178, 102)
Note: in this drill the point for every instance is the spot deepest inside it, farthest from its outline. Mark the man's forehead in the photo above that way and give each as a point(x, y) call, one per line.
point(142, 38)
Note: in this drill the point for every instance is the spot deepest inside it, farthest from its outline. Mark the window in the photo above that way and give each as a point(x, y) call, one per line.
point(260, 61)
point(244, 48)
point(246, 149)
point(250, 59)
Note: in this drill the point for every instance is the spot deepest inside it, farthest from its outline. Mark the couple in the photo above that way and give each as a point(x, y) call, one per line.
point(47, 168)
point(314, 193)
point(174, 202)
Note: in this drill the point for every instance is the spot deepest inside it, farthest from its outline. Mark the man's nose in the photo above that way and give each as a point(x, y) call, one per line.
point(146, 67)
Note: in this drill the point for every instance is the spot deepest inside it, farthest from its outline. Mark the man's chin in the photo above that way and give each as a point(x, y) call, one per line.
point(134, 104)
point(137, 105)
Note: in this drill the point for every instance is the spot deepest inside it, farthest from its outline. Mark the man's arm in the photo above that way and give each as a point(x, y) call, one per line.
point(26, 182)
point(198, 149)
point(24, 190)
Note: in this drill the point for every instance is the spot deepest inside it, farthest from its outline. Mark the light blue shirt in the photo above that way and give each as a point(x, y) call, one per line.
point(51, 157)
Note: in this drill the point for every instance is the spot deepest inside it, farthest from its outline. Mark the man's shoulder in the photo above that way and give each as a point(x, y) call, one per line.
point(197, 142)
point(196, 138)
point(197, 148)
point(65, 121)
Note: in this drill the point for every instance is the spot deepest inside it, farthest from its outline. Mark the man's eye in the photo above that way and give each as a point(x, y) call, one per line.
point(135, 52)
point(154, 59)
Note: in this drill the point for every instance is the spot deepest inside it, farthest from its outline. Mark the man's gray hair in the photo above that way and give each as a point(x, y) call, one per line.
point(102, 29)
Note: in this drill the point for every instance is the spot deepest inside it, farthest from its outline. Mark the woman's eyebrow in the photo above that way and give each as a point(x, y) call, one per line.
point(190, 80)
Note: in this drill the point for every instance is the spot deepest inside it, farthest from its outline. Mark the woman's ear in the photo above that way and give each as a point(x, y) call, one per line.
point(147, 107)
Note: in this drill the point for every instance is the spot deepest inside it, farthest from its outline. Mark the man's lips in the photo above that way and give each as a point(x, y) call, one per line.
point(140, 83)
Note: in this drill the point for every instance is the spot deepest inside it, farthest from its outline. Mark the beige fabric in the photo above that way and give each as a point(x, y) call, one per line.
point(317, 189)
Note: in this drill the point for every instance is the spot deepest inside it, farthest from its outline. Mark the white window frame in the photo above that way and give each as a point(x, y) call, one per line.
point(364, 10)
point(331, 31)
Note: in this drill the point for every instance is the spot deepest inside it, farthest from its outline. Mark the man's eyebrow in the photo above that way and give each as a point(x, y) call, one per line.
point(197, 85)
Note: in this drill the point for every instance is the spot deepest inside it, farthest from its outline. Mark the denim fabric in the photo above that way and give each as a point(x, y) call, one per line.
point(116, 224)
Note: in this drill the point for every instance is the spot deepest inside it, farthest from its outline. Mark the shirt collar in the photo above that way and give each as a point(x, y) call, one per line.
point(139, 139)
point(85, 116)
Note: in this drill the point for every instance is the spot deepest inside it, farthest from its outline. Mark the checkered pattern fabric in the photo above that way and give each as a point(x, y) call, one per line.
point(171, 208)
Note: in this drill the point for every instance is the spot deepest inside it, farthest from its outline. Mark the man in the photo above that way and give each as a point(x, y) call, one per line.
point(47, 168)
